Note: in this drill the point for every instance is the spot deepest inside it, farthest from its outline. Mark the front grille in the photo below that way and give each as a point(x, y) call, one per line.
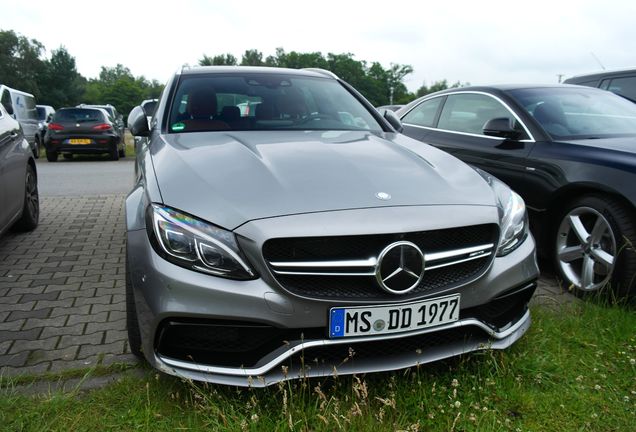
point(302, 265)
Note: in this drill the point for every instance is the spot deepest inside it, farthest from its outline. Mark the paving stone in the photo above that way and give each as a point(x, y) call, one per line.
point(27, 290)
point(40, 297)
point(111, 348)
point(82, 292)
point(91, 319)
point(121, 307)
point(65, 365)
point(4, 346)
point(76, 329)
point(25, 370)
point(104, 299)
point(38, 356)
point(22, 306)
point(15, 360)
point(71, 310)
point(65, 303)
point(32, 345)
point(31, 334)
point(12, 325)
point(109, 359)
point(92, 327)
point(86, 339)
point(4, 315)
point(45, 322)
point(115, 335)
point(35, 313)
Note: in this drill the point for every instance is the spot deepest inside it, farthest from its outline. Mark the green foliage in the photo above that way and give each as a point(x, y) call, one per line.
point(21, 65)
point(218, 60)
point(438, 86)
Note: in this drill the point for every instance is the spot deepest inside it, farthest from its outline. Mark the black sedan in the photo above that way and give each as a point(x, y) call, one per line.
point(82, 131)
point(569, 151)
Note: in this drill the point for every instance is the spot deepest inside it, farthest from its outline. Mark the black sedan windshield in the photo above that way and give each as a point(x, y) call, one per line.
point(578, 113)
point(218, 102)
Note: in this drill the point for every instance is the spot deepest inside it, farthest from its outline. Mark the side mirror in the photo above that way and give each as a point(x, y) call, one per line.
point(501, 127)
point(49, 118)
point(8, 106)
point(393, 119)
point(138, 123)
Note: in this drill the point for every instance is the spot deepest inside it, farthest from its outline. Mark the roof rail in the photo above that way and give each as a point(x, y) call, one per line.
point(321, 71)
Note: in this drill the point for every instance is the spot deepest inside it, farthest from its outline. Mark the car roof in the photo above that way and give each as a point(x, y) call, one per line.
point(308, 72)
point(505, 87)
point(601, 74)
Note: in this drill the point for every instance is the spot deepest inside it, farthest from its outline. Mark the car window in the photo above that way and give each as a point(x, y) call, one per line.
point(468, 112)
point(578, 113)
point(253, 101)
point(624, 86)
point(79, 115)
point(6, 98)
point(424, 114)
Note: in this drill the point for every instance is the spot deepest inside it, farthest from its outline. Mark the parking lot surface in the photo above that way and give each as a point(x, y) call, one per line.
point(62, 286)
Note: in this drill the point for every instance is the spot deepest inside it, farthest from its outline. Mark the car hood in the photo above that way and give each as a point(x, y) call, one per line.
point(229, 178)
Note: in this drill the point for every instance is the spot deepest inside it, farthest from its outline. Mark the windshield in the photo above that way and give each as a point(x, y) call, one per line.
point(579, 113)
point(252, 101)
point(78, 115)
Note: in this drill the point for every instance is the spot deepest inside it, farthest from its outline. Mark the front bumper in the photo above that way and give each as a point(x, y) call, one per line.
point(494, 315)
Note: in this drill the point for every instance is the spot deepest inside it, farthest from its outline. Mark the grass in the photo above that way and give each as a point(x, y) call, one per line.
point(575, 370)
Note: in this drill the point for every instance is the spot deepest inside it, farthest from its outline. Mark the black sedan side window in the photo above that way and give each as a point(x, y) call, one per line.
point(469, 113)
point(424, 114)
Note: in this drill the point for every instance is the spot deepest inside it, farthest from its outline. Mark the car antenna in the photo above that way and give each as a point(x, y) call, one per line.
point(597, 60)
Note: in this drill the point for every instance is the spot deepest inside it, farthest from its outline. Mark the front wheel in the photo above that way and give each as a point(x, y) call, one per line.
point(594, 247)
point(36, 150)
point(31, 208)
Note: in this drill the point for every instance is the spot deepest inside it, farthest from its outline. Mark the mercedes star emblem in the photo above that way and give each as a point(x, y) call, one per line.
point(400, 267)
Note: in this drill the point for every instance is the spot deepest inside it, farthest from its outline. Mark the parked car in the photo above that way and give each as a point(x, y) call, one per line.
point(568, 151)
point(621, 82)
point(254, 243)
point(82, 131)
point(45, 114)
point(22, 108)
point(19, 201)
point(118, 119)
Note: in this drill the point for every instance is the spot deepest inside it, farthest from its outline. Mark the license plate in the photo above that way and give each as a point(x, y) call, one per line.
point(397, 318)
point(79, 141)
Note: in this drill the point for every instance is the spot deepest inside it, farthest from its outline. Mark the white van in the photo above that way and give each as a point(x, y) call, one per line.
point(21, 106)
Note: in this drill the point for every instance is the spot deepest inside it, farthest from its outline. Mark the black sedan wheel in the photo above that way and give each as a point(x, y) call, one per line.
point(51, 155)
point(595, 246)
point(31, 209)
point(36, 150)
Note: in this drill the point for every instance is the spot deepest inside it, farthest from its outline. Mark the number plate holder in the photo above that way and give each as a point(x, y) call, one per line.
point(378, 320)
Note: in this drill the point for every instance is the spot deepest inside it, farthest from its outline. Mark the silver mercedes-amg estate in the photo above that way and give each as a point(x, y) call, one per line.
point(281, 227)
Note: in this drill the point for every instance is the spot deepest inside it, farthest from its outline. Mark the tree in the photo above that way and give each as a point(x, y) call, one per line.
point(438, 86)
point(252, 58)
point(61, 85)
point(21, 65)
point(218, 60)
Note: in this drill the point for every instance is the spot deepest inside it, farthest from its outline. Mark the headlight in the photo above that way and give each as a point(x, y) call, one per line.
point(513, 218)
point(195, 244)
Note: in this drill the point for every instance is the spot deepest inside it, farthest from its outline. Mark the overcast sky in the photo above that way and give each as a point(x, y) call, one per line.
point(479, 42)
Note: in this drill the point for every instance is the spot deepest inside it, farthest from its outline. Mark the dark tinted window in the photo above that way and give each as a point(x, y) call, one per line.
point(424, 114)
point(41, 113)
point(469, 112)
point(252, 101)
point(78, 115)
point(624, 87)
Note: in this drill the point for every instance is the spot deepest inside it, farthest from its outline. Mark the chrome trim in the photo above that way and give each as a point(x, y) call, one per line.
point(459, 261)
point(531, 140)
point(300, 346)
point(371, 263)
point(436, 256)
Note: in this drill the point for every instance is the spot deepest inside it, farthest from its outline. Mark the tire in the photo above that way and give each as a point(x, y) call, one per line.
point(51, 155)
point(36, 150)
point(594, 247)
point(114, 153)
point(132, 323)
point(122, 152)
point(31, 209)
point(67, 156)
